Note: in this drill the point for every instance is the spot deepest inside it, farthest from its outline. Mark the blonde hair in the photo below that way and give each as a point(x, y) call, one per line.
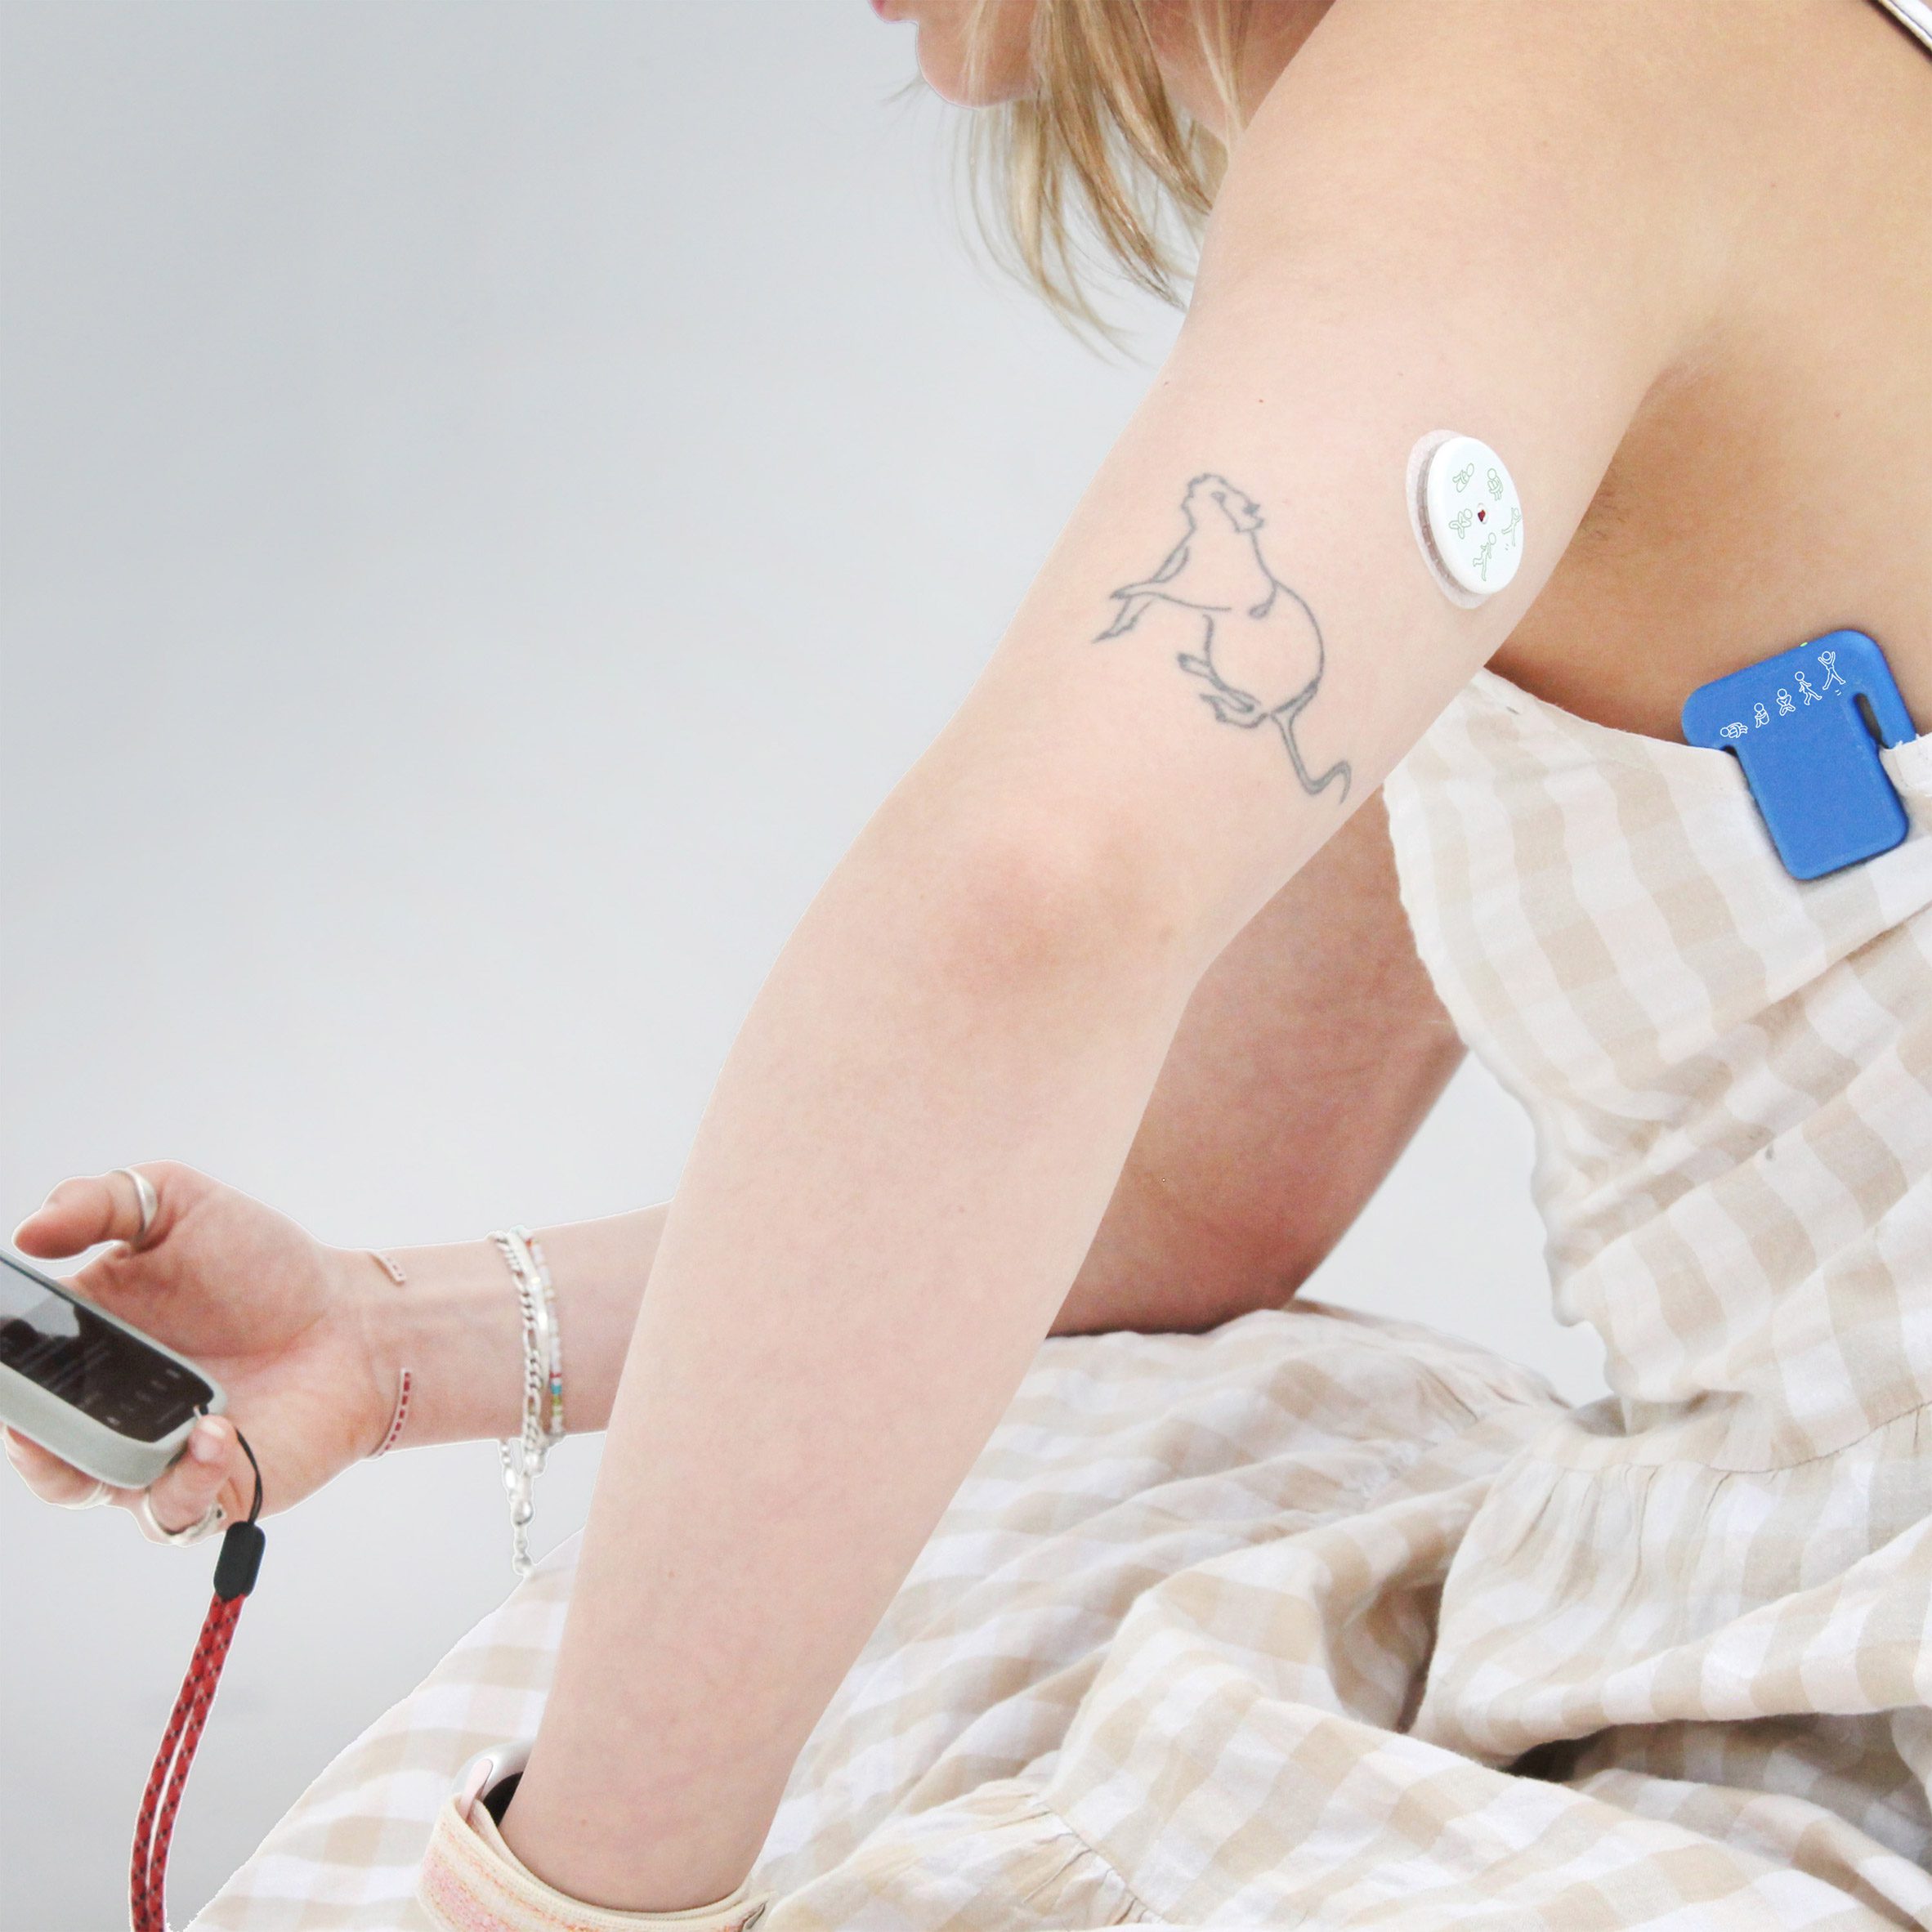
point(1099, 151)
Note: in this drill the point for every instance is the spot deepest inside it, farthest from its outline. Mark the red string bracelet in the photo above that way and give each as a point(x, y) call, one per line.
point(235, 1572)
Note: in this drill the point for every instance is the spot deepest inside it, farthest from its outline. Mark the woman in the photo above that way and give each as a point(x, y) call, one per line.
point(1126, 941)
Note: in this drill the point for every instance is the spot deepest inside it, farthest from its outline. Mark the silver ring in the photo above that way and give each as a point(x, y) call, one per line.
point(98, 1495)
point(150, 1203)
point(205, 1526)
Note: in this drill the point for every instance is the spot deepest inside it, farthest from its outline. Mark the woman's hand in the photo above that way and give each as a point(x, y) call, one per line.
point(275, 1316)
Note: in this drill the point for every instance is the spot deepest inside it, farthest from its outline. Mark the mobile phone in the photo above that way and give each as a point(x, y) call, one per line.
point(90, 1388)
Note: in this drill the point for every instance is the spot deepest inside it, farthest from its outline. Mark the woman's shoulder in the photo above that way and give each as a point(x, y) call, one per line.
point(1587, 66)
point(1503, 124)
point(1739, 125)
point(1728, 201)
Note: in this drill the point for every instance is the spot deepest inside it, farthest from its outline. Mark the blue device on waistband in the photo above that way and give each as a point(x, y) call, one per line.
point(1802, 724)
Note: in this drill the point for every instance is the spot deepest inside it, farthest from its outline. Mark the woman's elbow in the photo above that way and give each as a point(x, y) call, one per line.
point(1021, 901)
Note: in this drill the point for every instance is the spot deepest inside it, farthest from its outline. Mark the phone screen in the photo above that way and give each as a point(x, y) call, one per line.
point(56, 1340)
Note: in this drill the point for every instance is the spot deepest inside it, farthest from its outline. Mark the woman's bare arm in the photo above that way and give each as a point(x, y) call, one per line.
point(1306, 1055)
point(918, 1131)
point(916, 1135)
point(1309, 1053)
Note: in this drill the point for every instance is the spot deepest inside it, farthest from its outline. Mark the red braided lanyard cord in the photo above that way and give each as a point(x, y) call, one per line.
point(147, 1880)
point(235, 1577)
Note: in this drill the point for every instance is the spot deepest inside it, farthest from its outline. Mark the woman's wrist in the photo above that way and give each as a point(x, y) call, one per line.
point(454, 1324)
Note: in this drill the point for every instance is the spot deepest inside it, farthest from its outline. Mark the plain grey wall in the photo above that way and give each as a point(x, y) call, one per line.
point(493, 495)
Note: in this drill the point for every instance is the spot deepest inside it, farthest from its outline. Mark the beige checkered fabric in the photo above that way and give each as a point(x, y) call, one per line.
point(1727, 1567)
point(1326, 1622)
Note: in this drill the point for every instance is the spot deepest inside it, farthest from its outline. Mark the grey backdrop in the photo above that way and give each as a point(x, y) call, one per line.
point(493, 495)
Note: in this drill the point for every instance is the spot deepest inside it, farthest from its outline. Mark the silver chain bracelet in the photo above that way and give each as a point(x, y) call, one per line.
point(523, 1455)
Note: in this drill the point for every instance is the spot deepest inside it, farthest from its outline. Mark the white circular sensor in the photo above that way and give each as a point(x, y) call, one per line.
point(1473, 516)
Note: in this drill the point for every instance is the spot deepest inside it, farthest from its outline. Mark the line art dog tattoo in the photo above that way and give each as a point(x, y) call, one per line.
point(1261, 654)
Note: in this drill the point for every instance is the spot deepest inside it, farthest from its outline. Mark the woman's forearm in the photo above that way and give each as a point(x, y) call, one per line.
point(1314, 1047)
point(1310, 1052)
point(904, 1162)
point(454, 1323)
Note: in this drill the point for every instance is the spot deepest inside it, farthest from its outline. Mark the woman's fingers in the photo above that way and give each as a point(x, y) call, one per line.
point(181, 1495)
point(50, 1480)
point(80, 1212)
point(178, 1497)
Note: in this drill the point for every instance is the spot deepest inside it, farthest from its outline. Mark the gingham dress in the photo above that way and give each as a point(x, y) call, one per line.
point(1322, 1621)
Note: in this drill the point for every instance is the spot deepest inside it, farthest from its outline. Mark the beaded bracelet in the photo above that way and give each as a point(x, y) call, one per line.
point(404, 1379)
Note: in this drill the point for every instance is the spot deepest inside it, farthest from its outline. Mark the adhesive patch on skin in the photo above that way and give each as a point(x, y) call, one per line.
point(1466, 515)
